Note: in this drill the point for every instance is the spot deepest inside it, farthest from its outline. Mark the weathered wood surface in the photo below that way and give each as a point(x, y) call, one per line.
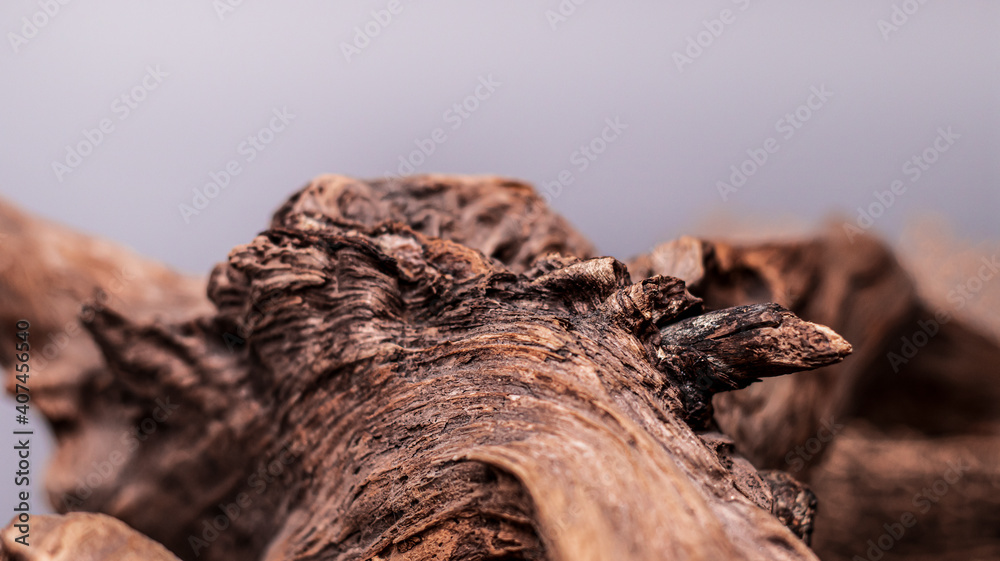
point(418, 399)
point(81, 536)
point(402, 370)
point(872, 433)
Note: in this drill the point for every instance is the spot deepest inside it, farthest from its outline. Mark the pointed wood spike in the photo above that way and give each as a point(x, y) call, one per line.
point(742, 344)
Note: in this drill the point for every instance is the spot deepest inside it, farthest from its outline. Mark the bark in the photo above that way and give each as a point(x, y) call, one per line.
point(899, 422)
point(402, 370)
point(439, 368)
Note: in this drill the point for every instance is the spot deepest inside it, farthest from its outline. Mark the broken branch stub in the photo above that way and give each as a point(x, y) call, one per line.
point(400, 395)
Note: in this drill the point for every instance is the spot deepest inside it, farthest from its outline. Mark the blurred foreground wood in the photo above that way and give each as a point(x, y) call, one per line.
point(438, 368)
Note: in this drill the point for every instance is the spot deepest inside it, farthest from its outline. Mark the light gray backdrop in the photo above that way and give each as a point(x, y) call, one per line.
point(695, 87)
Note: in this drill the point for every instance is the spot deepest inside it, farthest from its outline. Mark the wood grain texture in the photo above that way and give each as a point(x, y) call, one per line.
point(869, 433)
point(434, 368)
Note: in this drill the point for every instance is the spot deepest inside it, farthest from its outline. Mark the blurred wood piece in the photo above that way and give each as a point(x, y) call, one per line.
point(920, 391)
point(400, 369)
point(81, 536)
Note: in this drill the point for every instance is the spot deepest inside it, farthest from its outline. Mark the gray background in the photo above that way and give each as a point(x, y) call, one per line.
point(557, 87)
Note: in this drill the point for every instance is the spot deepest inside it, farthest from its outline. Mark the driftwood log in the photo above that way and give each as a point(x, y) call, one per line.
point(907, 428)
point(439, 368)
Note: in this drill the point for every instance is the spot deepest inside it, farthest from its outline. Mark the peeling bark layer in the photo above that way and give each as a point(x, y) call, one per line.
point(402, 370)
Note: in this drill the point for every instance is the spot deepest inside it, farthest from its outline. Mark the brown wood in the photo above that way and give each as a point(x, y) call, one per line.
point(82, 535)
point(439, 368)
point(898, 428)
